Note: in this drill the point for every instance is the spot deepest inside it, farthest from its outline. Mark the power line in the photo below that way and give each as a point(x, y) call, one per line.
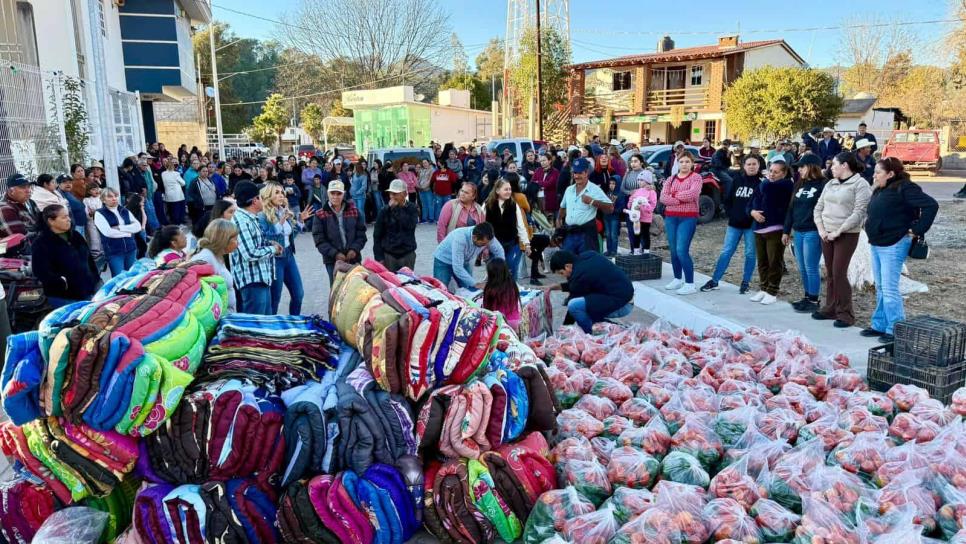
point(761, 31)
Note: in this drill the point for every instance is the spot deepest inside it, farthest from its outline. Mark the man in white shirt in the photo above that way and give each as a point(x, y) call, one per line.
point(578, 210)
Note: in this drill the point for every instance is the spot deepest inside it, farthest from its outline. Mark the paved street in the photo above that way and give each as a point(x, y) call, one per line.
point(316, 282)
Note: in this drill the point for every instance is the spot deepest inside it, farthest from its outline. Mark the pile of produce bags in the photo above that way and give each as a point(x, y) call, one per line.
point(670, 436)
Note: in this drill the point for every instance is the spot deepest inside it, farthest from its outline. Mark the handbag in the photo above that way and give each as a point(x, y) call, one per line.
point(919, 248)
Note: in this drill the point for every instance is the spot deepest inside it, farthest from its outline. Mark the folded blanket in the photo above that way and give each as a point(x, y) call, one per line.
point(490, 502)
point(362, 440)
point(391, 411)
point(304, 431)
point(338, 511)
point(507, 485)
point(14, 442)
point(527, 459)
point(389, 482)
point(23, 372)
point(149, 517)
point(297, 520)
point(431, 518)
point(24, 506)
point(542, 402)
point(462, 520)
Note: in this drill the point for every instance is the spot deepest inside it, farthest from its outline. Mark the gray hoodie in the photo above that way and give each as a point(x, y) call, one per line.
point(843, 206)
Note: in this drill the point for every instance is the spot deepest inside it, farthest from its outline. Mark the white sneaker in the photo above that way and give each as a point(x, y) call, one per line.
point(769, 299)
point(635, 252)
point(645, 252)
point(674, 285)
point(757, 297)
point(687, 289)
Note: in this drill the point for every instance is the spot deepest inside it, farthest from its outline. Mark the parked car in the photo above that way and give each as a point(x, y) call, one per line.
point(245, 150)
point(347, 152)
point(307, 151)
point(657, 156)
point(517, 146)
point(413, 155)
point(917, 149)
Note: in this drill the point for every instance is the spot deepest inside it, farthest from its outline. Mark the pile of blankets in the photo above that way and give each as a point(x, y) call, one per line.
point(474, 501)
point(24, 505)
point(237, 510)
point(98, 375)
point(413, 334)
point(277, 352)
point(349, 507)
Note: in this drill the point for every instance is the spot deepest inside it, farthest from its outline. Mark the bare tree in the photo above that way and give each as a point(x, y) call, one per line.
point(865, 47)
point(388, 42)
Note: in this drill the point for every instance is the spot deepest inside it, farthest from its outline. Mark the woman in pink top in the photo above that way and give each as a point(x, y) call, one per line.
point(640, 213)
point(462, 211)
point(411, 179)
point(680, 198)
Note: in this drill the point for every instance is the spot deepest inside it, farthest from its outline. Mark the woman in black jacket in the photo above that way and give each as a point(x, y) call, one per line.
point(898, 213)
point(740, 226)
point(62, 261)
point(801, 220)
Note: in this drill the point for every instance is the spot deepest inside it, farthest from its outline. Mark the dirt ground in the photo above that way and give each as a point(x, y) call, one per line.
point(944, 272)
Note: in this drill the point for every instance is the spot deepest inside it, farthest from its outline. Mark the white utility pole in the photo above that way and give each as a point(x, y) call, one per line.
point(214, 82)
point(105, 110)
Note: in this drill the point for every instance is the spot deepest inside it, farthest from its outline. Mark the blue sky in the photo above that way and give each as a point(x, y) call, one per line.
point(608, 28)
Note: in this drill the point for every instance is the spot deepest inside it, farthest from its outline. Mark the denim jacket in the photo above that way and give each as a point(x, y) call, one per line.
point(272, 232)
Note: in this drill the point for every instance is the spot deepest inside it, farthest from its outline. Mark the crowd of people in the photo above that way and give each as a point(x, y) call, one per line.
point(243, 216)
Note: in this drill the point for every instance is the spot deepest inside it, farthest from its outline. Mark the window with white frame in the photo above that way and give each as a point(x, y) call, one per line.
point(124, 124)
point(711, 131)
point(697, 75)
point(102, 15)
point(621, 81)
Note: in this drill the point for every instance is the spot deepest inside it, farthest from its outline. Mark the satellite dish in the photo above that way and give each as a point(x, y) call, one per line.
point(210, 92)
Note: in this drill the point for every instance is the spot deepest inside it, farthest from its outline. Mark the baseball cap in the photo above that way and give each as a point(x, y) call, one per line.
point(17, 180)
point(580, 165)
point(807, 159)
point(62, 178)
point(336, 187)
point(573, 148)
point(245, 193)
point(397, 186)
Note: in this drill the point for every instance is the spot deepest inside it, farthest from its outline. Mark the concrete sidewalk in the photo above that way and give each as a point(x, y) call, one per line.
point(726, 308)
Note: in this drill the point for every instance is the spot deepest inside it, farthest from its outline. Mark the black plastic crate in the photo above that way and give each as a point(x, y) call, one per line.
point(927, 340)
point(640, 267)
point(941, 381)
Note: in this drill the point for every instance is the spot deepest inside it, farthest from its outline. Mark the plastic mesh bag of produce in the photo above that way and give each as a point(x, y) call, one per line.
point(630, 467)
point(638, 410)
point(858, 419)
point(698, 439)
point(761, 452)
point(576, 422)
point(674, 413)
point(777, 523)
point(781, 423)
point(631, 371)
point(615, 425)
point(826, 430)
point(592, 528)
point(658, 392)
point(897, 460)
point(628, 502)
point(786, 483)
point(700, 399)
point(951, 516)
point(550, 512)
point(822, 522)
point(910, 488)
point(959, 401)
point(655, 525)
point(612, 389)
point(602, 448)
point(577, 385)
point(687, 502)
point(732, 424)
point(878, 403)
point(683, 468)
point(933, 411)
point(589, 478)
point(653, 438)
point(865, 454)
point(572, 448)
point(599, 407)
point(838, 489)
point(906, 396)
point(734, 482)
point(907, 427)
point(727, 519)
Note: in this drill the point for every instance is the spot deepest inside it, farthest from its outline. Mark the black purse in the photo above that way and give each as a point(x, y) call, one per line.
point(919, 248)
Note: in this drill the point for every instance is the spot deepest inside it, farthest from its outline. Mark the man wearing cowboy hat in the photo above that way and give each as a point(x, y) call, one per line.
point(828, 147)
point(863, 152)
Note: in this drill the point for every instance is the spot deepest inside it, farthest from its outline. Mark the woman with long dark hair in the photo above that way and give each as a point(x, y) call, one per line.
point(62, 260)
point(839, 215)
point(800, 223)
point(509, 223)
point(768, 209)
point(501, 293)
point(899, 212)
point(680, 196)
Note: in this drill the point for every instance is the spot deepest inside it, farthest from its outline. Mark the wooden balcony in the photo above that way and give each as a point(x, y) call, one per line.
point(661, 101)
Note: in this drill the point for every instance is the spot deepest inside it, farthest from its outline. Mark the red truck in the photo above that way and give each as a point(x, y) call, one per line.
point(917, 149)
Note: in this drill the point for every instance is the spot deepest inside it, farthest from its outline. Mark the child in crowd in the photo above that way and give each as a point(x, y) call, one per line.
point(168, 245)
point(92, 203)
point(501, 293)
point(293, 195)
point(640, 213)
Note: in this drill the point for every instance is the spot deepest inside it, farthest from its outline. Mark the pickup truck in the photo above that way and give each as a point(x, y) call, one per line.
point(917, 149)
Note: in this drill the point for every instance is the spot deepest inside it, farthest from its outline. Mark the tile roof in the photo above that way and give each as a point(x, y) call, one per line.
point(684, 53)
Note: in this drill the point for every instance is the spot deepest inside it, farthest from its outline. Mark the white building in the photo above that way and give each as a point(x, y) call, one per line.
point(861, 109)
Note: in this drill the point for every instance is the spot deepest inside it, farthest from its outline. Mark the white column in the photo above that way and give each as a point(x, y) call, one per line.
point(102, 91)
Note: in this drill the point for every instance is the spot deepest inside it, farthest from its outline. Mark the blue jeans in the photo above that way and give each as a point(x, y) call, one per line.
point(732, 237)
point(577, 308)
point(808, 252)
point(612, 228)
point(287, 273)
point(438, 201)
point(360, 202)
point(680, 231)
point(886, 268)
point(428, 206)
point(512, 255)
point(152, 215)
point(444, 273)
point(256, 298)
point(377, 198)
point(121, 262)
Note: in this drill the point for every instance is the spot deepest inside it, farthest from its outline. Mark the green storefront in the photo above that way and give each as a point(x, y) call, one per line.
point(391, 126)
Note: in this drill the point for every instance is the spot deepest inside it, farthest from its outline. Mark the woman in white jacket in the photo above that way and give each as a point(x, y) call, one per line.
point(45, 193)
point(174, 186)
point(839, 215)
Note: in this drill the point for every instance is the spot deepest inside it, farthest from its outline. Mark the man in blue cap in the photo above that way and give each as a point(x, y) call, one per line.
point(579, 207)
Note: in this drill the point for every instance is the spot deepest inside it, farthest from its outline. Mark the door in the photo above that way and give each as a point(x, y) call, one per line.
point(675, 85)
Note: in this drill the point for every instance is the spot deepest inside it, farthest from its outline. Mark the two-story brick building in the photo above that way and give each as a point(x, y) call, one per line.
point(673, 94)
